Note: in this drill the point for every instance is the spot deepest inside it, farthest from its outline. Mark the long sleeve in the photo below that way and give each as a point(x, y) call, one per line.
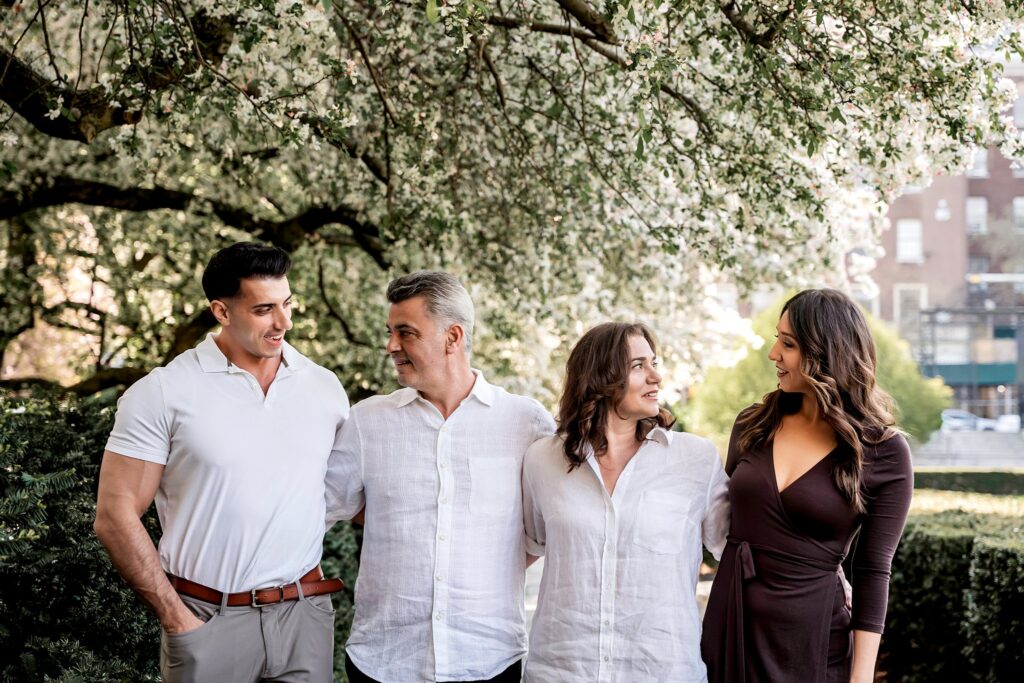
point(889, 483)
point(715, 526)
point(344, 482)
point(533, 518)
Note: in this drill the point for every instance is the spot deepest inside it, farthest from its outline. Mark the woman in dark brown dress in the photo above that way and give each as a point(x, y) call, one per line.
point(817, 460)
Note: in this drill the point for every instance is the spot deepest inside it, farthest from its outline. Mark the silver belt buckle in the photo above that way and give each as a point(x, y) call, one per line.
point(254, 591)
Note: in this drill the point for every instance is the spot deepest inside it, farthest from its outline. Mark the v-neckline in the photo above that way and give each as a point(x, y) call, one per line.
point(775, 474)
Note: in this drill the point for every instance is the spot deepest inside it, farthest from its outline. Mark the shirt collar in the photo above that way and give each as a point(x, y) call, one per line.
point(212, 359)
point(482, 391)
point(661, 435)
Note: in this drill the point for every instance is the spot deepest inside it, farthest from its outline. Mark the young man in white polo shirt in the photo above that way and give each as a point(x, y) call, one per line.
point(437, 464)
point(231, 439)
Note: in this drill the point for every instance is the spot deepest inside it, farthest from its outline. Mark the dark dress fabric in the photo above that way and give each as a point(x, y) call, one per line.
point(777, 610)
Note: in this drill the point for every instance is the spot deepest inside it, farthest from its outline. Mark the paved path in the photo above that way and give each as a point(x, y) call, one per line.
point(971, 449)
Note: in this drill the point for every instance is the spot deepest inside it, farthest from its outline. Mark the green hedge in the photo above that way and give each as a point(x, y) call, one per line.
point(999, 482)
point(65, 614)
point(955, 601)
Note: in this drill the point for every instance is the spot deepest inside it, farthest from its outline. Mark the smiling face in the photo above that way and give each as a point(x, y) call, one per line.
point(788, 358)
point(419, 346)
point(641, 398)
point(255, 320)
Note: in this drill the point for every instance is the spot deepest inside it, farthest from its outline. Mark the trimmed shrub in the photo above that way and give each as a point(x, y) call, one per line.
point(65, 613)
point(995, 609)
point(940, 577)
point(1003, 483)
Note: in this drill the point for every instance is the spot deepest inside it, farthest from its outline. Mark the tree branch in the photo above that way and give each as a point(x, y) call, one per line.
point(84, 114)
point(331, 311)
point(355, 149)
point(541, 27)
point(289, 233)
point(591, 18)
point(104, 378)
point(692, 106)
point(188, 335)
point(746, 29)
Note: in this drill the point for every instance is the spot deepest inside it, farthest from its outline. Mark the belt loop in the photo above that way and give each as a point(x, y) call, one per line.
point(298, 587)
point(224, 602)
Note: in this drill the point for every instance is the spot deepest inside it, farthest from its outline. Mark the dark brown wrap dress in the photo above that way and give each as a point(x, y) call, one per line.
point(777, 610)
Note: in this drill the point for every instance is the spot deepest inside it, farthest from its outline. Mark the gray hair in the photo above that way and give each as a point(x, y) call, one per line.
point(446, 299)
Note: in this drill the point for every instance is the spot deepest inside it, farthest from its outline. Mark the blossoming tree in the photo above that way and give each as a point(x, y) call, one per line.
point(573, 160)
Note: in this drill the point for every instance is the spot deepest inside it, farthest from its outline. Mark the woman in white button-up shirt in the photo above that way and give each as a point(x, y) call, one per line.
point(619, 507)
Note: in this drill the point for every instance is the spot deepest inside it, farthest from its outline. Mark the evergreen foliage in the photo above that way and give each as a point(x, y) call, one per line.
point(955, 600)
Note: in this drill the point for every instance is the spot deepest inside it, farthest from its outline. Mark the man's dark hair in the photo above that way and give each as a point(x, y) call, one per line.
point(223, 276)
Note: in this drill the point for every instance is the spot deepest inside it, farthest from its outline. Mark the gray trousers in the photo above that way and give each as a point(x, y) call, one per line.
point(290, 642)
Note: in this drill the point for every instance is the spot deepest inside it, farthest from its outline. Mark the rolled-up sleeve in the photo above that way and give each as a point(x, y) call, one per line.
point(533, 517)
point(344, 482)
point(715, 526)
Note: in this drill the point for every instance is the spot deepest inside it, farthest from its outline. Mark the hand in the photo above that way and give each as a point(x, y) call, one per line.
point(847, 589)
point(187, 622)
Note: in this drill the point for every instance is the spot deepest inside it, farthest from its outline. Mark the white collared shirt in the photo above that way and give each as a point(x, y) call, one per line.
point(442, 572)
point(241, 498)
point(617, 598)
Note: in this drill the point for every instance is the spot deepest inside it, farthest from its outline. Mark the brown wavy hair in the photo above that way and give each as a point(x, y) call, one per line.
point(839, 365)
point(596, 377)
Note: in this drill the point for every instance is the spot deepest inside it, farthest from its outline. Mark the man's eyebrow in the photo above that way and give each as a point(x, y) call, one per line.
point(270, 304)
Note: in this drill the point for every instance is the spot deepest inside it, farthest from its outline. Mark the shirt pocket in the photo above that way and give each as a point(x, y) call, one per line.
point(493, 485)
point(664, 522)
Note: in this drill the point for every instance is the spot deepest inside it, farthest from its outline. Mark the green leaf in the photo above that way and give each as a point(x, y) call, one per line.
point(433, 11)
point(837, 115)
point(327, 6)
point(631, 16)
point(640, 147)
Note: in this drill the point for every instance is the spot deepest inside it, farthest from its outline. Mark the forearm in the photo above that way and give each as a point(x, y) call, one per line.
point(865, 652)
point(136, 559)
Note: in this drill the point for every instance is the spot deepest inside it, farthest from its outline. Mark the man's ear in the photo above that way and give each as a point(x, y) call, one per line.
point(220, 312)
point(455, 339)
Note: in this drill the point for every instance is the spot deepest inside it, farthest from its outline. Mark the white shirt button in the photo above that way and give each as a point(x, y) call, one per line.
point(444, 501)
point(437, 577)
point(606, 658)
point(442, 537)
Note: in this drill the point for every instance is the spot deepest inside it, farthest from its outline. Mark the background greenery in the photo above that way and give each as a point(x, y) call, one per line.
point(725, 391)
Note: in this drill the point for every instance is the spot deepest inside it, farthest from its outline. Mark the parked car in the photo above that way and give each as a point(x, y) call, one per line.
point(1008, 423)
point(955, 420)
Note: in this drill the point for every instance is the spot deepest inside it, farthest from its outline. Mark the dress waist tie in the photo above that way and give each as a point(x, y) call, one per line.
point(735, 665)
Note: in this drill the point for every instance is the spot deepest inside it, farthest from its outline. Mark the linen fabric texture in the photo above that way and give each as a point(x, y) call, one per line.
point(617, 598)
point(241, 499)
point(439, 595)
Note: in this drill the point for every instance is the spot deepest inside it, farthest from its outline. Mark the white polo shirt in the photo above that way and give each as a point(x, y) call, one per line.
point(241, 500)
point(441, 578)
point(617, 599)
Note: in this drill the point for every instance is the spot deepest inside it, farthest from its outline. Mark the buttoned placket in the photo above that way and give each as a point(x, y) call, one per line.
point(266, 399)
point(442, 540)
point(610, 565)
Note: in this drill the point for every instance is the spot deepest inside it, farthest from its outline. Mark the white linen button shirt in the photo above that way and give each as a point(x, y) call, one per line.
point(439, 595)
point(617, 599)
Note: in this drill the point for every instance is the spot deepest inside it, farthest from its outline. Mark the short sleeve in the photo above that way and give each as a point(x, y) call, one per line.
point(344, 481)
point(142, 424)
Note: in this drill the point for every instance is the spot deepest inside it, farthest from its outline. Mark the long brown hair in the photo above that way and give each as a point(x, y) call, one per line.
point(839, 365)
point(596, 378)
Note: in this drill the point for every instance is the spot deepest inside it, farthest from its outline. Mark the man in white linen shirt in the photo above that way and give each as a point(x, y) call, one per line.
point(232, 439)
point(437, 464)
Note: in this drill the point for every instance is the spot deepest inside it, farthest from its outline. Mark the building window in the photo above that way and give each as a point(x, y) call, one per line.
point(1018, 213)
point(908, 241)
point(979, 168)
point(908, 300)
point(977, 215)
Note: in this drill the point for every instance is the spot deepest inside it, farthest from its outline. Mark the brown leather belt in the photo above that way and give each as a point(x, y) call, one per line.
point(313, 583)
